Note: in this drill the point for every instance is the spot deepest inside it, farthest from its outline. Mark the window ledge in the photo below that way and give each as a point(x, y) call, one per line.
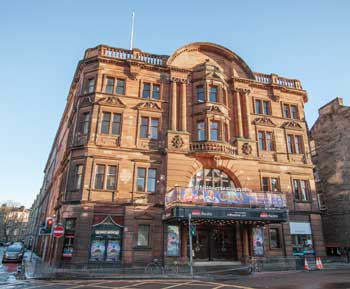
point(300, 201)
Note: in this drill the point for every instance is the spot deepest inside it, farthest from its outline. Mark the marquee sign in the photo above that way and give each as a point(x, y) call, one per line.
point(217, 213)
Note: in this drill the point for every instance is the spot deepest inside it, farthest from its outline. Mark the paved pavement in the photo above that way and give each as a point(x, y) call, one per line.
point(335, 279)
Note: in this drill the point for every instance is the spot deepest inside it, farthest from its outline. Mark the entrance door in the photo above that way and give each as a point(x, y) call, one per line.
point(214, 243)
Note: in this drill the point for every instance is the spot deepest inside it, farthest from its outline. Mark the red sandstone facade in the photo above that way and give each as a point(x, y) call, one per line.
point(146, 140)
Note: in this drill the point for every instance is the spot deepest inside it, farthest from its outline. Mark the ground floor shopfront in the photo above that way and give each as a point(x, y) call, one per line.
point(135, 235)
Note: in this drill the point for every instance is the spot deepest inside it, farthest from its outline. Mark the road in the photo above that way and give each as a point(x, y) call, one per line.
point(7, 271)
point(336, 279)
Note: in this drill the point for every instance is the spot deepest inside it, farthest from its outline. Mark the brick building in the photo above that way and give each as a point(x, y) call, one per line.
point(331, 136)
point(145, 140)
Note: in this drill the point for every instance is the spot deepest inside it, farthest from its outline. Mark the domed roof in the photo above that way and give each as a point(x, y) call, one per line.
point(196, 53)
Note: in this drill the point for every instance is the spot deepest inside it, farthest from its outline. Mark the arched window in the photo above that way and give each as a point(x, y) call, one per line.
point(211, 178)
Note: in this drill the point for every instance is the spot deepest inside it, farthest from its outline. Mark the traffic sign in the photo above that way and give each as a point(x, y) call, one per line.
point(58, 231)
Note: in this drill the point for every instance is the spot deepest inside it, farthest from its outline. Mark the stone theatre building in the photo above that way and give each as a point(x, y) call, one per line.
point(146, 140)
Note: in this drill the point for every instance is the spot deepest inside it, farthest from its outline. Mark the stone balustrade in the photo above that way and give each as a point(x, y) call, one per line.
point(275, 79)
point(212, 146)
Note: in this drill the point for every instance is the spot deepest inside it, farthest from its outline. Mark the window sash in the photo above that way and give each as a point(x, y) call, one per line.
point(85, 123)
point(200, 93)
point(257, 106)
point(99, 177)
point(268, 138)
point(146, 90)
point(111, 178)
point(266, 108)
point(296, 187)
point(214, 130)
point(265, 184)
point(106, 119)
point(151, 180)
point(120, 89)
point(109, 85)
point(141, 179)
point(290, 144)
point(156, 91)
point(91, 85)
point(116, 125)
point(200, 131)
point(304, 190)
point(286, 112)
point(298, 144)
point(154, 128)
point(261, 141)
point(143, 234)
point(78, 176)
point(213, 94)
point(144, 127)
point(274, 185)
point(294, 112)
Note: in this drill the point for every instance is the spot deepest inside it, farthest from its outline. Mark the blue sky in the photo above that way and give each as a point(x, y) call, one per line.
point(42, 41)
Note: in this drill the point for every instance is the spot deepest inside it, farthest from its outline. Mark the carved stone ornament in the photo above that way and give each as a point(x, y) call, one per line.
point(214, 108)
point(292, 125)
point(247, 148)
point(149, 105)
point(263, 121)
point(111, 100)
point(177, 141)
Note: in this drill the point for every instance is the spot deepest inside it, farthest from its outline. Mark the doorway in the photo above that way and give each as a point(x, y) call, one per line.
point(214, 243)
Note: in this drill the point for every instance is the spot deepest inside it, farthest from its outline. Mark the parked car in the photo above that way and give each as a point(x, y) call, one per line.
point(13, 253)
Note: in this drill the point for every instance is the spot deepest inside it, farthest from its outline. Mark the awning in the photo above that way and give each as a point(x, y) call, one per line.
point(297, 228)
point(219, 213)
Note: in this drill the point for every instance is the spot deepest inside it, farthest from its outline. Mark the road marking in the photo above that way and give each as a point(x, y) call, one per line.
point(177, 285)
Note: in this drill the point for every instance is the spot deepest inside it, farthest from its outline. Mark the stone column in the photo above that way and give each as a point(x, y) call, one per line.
point(245, 243)
point(246, 116)
point(238, 114)
point(173, 106)
point(183, 107)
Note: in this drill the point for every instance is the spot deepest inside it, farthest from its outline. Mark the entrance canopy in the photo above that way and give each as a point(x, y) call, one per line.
point(225, 214)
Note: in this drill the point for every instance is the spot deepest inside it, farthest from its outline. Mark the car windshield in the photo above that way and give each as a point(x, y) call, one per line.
point(14, 249)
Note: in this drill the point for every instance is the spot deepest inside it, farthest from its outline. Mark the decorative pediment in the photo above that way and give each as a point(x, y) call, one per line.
point(111, 101)
point(149, 105)
point(144, 216)
point(263, 121)
point(292, 125)
point(214, 109)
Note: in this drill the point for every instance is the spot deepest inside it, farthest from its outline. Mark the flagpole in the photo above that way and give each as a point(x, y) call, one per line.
point(132, 30)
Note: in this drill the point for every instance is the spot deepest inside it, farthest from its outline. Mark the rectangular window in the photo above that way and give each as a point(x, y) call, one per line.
point(286, 112)
point(266, 108)
point(156, 91)
point(116, 125)
point(268, 138)
point(200, 131)
point(78, 176)
point(294, 112)
point(91, 85)
point(274, 185)
point(213, 94)
point(84, 128)
point(109, 85)
point(304, 190)
point(141, 179)
point(274, 238)
point(120, 86)
point(261, 142)
point(143, 235)
point(265, 184)
point(146, 90)
point(298, 144)
point(154, 128)
point(258, 109)
point(296, 189)
point(144, 127)
point(200, 93)
point(99, 177)
point(151, 180)
point(106, 119)
point(290, 144)
point(111, 177)
point(214, 130)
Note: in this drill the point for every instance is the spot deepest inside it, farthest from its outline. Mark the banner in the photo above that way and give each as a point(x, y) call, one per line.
point(228, 197)
point(97, 249)
point(173, 241)
point(258, 242)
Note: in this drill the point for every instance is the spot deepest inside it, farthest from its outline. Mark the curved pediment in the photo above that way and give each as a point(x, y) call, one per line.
point(196, 53)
